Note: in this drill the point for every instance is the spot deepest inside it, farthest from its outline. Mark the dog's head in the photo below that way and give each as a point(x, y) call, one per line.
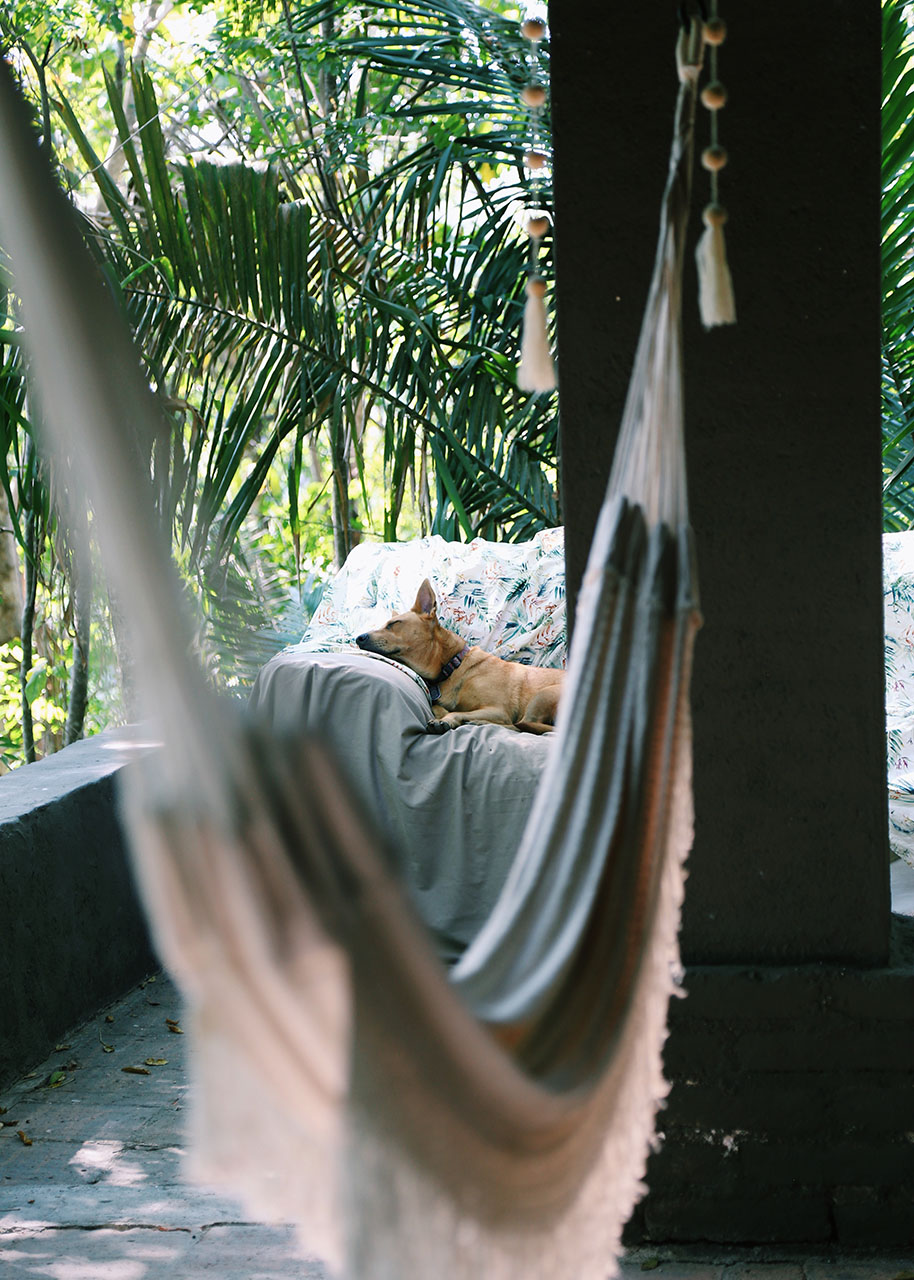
point(415, 638)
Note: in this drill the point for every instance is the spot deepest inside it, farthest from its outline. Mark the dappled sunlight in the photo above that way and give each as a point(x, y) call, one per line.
point(54, 1267)
point(96, 1254)
point(99, 1157)
point(15, 1227)
point(117, 1269)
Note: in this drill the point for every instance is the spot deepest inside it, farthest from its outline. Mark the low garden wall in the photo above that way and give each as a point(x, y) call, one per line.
point(73, 933)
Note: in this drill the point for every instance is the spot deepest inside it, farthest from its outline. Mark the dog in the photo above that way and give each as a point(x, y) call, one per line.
point(467, 685)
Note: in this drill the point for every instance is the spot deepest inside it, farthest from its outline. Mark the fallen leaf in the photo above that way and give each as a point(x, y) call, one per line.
point(3, 1111)
point(56, 1079)
point(173, 1026)
point(146, 981)
point(59, 1048)
point(650, 1264)
point(108, 1017)
point(154, 1003)
point(106, 1048)
point(136, 1071)
point(23, 1137)
point(156, 1062)
point(904, 1275)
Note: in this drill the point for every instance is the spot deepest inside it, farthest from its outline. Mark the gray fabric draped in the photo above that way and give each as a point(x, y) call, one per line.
point(494, 1121)
point(451, 808)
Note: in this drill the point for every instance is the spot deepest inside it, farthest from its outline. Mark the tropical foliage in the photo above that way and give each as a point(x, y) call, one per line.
point(312, 226)
point(897, 273)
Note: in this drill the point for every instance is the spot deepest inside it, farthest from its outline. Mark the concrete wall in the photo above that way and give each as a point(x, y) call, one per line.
point(73, 934)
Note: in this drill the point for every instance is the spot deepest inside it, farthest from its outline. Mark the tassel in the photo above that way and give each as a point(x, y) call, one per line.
point(715, 287)
point(535, 371)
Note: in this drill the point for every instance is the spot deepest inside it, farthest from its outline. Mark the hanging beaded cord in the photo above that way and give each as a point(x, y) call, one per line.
point(715, 286)
point(535, 371)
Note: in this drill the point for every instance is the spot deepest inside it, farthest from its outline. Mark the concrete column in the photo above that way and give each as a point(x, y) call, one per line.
point(790, 858)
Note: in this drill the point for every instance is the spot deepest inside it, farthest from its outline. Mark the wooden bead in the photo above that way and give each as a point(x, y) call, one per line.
point(715, 31)
point(536, 287)
point(714, 157)
point(533, 95)
point(714, 215)
point(714, 95)
point(533, 29)
point(537, 227)
point(535, 159)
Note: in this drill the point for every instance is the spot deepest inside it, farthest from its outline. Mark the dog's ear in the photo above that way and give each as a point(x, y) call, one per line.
point(425, 600)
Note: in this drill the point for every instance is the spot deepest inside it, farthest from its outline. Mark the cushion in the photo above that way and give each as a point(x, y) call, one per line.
point(507, 597)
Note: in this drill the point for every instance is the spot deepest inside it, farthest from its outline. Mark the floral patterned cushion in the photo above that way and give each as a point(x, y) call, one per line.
point(507, 597)
point(898, 585)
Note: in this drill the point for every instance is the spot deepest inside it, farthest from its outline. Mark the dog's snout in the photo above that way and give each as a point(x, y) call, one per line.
point(361, 640)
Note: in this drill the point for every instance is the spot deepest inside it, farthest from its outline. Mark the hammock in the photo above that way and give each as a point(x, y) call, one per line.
point(494, 1121)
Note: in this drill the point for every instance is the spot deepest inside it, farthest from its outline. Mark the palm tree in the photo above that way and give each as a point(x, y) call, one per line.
point(387, 289)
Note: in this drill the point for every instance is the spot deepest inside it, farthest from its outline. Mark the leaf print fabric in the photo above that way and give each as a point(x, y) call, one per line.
point(898, 588)
point(506, 597)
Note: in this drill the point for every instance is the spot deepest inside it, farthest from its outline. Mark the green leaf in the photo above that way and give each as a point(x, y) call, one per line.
point(38, 679)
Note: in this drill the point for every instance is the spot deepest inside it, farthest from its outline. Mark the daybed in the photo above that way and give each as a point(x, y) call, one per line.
point(452, 806)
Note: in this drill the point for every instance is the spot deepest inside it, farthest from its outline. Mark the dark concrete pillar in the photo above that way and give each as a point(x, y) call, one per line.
point(790, 858)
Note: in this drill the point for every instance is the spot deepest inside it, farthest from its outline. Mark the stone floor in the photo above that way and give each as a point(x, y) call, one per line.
point(90, 1177)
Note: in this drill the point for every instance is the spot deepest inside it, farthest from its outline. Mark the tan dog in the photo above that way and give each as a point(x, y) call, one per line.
point(468, 685)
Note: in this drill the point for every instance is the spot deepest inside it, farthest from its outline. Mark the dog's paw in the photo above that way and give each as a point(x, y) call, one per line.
point(437, 726)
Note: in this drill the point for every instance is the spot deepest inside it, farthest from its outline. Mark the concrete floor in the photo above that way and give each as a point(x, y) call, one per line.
point(97, 1195)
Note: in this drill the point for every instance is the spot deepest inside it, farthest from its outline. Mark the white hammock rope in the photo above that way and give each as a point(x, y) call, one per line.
point(495, 1121)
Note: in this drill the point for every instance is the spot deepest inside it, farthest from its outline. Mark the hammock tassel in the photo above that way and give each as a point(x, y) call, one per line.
point(535, 371)
point(715, 286)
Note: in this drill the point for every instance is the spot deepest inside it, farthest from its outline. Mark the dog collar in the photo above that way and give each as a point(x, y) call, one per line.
point(447, 670)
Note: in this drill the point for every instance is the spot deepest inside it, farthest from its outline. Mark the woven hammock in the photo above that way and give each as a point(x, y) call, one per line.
point(495, 1120)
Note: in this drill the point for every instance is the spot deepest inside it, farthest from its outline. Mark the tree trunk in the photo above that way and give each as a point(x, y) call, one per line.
point(341, 509)
point(32, 543)
point(126, 662)
point(81, 587)
point(11, 598)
